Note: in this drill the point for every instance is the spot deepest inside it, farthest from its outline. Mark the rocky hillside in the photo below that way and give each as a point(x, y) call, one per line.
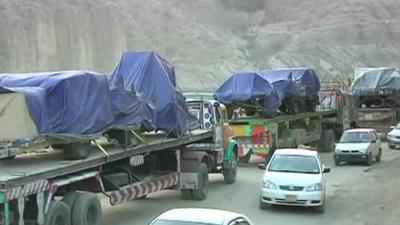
point(206, 40)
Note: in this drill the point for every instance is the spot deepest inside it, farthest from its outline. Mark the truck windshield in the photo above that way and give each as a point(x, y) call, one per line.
point(175, 222)
point(294, 164)
point(355, 137)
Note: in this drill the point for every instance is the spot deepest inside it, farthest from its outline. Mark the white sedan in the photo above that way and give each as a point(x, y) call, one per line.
point(200, 216)
point(294, 177)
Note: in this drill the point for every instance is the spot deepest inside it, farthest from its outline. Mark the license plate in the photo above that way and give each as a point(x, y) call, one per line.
point(291, 198)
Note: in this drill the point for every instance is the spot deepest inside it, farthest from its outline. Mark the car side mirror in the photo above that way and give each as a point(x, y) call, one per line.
point(262, 166)
point(392, 127)
point(326, 170)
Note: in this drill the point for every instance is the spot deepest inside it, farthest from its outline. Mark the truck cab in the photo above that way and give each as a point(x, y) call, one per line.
point(222, 150)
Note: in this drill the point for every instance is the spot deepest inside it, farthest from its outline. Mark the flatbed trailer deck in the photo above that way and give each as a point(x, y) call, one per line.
point(42, 166)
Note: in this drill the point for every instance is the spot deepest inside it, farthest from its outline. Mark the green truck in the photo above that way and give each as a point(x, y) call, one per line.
point(260, 136)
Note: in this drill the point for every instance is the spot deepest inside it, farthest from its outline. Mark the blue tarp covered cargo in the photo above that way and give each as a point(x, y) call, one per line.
point(65, 102)
point(152, 79)
point(242, 87)
point(306, 81)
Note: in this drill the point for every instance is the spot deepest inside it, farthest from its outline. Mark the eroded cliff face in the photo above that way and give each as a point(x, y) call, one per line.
point(206, 40)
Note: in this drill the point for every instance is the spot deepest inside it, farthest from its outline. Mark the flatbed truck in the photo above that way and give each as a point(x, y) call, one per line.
point(261, 136)
point(42, 188)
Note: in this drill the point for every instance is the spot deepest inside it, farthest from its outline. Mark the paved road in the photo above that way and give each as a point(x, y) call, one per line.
point(357, 194)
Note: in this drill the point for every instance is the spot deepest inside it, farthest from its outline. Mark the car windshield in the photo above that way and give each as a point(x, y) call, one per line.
point(294, 164)
point(356, 137)
point(175, 222)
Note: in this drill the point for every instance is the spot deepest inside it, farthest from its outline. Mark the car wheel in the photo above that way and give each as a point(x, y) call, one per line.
point(337, 162)
point(264, 205)
point(391, 147)
point(369, 160)
point(378, 157)
point(320, 209)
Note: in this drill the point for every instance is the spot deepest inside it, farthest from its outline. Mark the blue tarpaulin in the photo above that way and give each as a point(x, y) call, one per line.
point(246, 86)
point(306, 81)
point(152, 79)
point(284, 87)
point(65, 102)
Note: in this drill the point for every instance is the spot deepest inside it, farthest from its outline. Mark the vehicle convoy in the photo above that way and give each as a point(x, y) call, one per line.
point(32, 184)
point(358, 145)
point(200, 216)
point(294, 177)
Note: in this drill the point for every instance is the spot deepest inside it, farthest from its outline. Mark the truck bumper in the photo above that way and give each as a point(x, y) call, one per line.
point(351, 157)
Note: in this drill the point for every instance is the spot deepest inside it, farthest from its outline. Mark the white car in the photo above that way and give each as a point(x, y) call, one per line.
point(394, 137)
point(294, 177)
point(358, 145)
point(200, 216)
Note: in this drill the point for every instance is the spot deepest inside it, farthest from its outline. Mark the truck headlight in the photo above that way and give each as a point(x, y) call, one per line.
point(314, 187)
point(269, 185)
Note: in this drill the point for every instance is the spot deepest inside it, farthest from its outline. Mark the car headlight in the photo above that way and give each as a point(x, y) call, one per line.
point(314, 187)
point(269, 185)
point(363, 150)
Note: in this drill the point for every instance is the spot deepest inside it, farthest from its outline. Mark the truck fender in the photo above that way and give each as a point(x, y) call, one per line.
point(230, 153)
point(190, 160)
point(190, 171)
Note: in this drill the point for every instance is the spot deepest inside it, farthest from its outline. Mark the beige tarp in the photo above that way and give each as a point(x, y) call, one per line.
point(15, 120)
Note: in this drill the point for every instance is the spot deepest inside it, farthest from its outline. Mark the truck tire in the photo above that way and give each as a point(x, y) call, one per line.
point(327, 141)
point(58, 214)
point(124, 138)
point(202, 191)
point(86, 210)
point(231, 174)
point(70, 199)
point(75, 151)
point(186, 194)
point(245, 158)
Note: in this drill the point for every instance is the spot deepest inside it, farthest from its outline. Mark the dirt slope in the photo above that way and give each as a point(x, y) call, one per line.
point(206, 40)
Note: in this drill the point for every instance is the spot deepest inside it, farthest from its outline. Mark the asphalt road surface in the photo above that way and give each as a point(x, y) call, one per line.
point(356, 195)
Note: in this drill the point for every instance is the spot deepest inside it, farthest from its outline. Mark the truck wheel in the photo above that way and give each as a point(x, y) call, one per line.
point(327, 141)
point(379, 156)
point(186, 194)
point(230, 174)
point(202, 191)
point(58, 214)
point(75, 151)
point(246, 158)
point(86, 210)
point(70, 199)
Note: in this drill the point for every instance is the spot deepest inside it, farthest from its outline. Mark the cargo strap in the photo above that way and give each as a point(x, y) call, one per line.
point(102, 149)
point(137, 136)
